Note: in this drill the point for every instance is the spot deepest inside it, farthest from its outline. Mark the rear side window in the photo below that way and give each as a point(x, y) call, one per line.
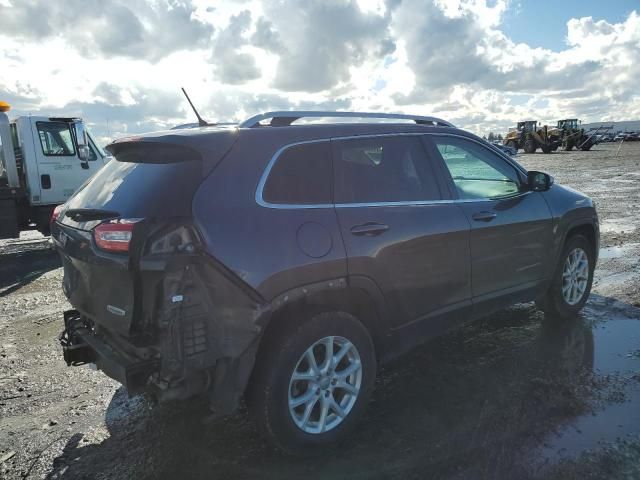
point(301, 175)
point(55, 139)
point(383, 169)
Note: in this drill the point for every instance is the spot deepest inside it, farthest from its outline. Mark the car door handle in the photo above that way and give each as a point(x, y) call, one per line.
point(369, 229)
point(484, 216)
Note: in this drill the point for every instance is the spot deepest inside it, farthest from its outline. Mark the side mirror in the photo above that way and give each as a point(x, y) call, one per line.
point(539, 181)
point(83, 152)
point(81, 140)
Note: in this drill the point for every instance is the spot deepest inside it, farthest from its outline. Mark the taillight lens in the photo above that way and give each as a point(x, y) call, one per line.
point(55, 214)
point(115, 236)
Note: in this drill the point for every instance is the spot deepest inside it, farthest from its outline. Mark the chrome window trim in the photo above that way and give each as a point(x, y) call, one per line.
point(286, 206)
point(265, 175)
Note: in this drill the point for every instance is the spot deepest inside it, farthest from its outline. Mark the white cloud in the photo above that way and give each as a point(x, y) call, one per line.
point(109, 28)
point(123, 64)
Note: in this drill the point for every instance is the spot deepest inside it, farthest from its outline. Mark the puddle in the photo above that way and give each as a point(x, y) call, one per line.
point(616, 356)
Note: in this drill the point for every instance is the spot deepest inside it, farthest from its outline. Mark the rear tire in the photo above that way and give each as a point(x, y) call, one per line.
point(568, 146)
point(302, 408)
point(572, 280)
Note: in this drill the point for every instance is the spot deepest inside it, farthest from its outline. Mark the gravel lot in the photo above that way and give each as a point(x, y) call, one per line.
point(508, 397)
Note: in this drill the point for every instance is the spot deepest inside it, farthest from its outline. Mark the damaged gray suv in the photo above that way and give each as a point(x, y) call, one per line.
point(283, 263)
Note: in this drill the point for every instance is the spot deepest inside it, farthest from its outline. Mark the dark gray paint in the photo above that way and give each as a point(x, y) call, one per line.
point(432, 268)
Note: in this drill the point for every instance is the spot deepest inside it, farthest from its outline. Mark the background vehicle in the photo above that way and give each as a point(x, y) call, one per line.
point(43, 160)
point(572, 135)
point(529, 137)
point(284, 262)
point(506, 149)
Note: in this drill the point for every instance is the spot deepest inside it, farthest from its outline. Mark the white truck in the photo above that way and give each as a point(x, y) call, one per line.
point(43, 160)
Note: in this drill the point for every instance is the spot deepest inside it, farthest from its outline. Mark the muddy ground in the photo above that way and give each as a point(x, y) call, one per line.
point(512, 396)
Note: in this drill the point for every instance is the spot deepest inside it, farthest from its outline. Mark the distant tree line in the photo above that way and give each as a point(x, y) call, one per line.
point(493, 137)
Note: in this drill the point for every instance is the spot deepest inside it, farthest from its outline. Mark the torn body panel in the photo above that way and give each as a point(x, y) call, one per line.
point(195, 326)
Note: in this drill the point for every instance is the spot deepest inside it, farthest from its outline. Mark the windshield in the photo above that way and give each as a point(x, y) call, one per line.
point(95, 144)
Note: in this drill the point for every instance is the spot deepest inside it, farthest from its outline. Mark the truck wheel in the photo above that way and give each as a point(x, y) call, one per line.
point(312, 381)
point(530, 146)
point(513, 145)
point(546, 149)
point(568, 146)
point(572, 280)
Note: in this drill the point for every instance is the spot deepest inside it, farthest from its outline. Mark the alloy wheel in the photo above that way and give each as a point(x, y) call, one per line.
point(575, 276)
point(325, 384)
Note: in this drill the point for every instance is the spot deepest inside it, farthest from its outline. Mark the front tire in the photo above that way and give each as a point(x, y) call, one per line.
point(586, 147)
point(572, 280)
point(530, 146)
point(312, 381)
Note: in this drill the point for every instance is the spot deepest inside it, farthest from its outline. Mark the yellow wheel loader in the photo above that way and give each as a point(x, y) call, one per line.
point(528, 136)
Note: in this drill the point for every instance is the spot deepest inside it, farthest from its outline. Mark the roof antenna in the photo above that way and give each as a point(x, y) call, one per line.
point(201, 121)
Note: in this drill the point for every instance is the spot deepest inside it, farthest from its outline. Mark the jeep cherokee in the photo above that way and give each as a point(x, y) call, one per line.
point(283, 262)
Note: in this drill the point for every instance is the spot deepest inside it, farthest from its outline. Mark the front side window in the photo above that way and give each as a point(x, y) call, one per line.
point(477, 172)
point(56, 139)
point(301, 175)
point(383, 169)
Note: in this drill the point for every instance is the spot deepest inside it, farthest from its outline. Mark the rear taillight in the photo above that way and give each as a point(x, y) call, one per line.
point(55, 214)
point(114, 236)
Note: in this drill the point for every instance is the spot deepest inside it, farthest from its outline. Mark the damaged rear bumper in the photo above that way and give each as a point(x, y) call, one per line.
point(185, 324)
point(81, 345)
point(155, 370)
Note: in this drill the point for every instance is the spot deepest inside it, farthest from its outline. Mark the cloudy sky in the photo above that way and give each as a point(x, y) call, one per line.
point(482, 64)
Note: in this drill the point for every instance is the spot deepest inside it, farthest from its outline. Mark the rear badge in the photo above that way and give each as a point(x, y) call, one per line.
point(116, 310)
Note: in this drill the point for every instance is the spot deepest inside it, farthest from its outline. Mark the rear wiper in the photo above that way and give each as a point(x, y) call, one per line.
point(87, 214)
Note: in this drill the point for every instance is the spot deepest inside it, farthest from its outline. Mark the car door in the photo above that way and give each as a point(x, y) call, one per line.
point(60, 170)
point(397, 228)
point(511, 226)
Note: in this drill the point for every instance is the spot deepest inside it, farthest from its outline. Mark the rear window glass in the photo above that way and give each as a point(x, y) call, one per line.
point(141, 190)
point(301, 175)
point(383, 169)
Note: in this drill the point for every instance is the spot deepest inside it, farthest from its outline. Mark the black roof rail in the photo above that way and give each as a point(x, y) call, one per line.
point(285, 118)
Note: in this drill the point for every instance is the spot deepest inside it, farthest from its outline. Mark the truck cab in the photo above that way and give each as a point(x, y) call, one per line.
point(568, 124)
point(527, 126)
point(43, 161)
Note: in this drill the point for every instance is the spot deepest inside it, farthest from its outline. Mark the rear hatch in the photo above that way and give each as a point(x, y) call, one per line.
point(151, 180)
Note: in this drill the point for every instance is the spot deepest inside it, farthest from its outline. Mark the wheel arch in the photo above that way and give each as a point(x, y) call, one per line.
point(355, 296)
point(586, 229)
